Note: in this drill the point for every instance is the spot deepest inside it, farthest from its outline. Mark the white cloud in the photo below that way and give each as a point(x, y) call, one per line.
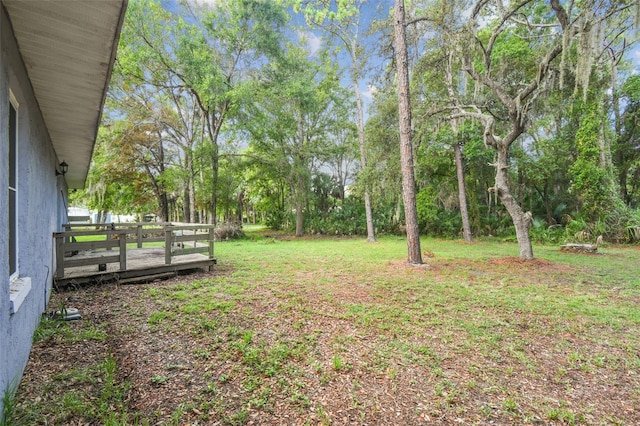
point(203, 3)
point(635, 59)
point(312, 42)
point(368, 94)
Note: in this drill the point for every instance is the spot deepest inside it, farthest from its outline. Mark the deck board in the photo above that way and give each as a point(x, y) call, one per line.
point(141, 263)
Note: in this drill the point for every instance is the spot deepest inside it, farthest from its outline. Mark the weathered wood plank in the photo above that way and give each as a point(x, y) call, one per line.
point(189, 238)
point(95, 260)
point(191, 226)
point(167, 247)
point(91, 245)
point(123, 253)
point(151, 240)
point(185, 251)
point(69, 234)
point(148, 278)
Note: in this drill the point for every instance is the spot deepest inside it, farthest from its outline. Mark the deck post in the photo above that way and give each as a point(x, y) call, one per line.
point(123, 251)
point(139, 235)
point(109, 234)
point(167, 245)
point(59, 255)
point(211, 237)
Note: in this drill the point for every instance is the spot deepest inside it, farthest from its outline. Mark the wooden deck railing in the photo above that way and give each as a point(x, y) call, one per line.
point(178, 239)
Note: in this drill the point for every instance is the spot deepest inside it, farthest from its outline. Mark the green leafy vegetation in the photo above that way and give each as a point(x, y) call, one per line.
point(260, 124)
point(68, 400)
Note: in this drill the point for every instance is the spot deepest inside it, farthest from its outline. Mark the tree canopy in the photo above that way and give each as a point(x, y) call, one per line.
point(524, 118)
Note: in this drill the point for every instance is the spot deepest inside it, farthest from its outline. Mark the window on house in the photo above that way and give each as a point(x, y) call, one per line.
point(13, 189)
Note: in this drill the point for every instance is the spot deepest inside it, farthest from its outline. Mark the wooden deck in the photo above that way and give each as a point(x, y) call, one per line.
point(144, 264)
point(108, 259)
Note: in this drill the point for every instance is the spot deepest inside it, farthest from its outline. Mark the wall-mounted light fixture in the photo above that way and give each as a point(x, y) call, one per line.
point(64, 168)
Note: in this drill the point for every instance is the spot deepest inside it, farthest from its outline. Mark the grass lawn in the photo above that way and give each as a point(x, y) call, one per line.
point(341, 331)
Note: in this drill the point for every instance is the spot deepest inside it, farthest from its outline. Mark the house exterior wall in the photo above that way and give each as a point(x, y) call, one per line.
point(41, 208)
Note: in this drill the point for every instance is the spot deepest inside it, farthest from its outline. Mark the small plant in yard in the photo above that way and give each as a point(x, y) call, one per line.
point(325, 420)
point(262, 399)
point(240, 417)
point(251, 383)
point(300, 398)
point(486, 410)
point(510, 405)
point(561, 414)
point(177, 415)
point(201, 353)
point(338, 363)
point(49, 327)
point(211, 388)
point(8, 405)
point(159, 379)
point(107, 406)
point(157, 317)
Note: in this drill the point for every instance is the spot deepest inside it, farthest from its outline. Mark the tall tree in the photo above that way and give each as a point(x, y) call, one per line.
point(462, 192)
point(343, 20)
point(383, 171)
point(213, 51)
point(301, 108)
point(406, 147)
point(457, 151)
point(626, 150)
point(499, 55)
point(182, 125)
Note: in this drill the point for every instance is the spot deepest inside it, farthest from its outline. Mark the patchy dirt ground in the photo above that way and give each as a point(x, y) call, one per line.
point(341, 351)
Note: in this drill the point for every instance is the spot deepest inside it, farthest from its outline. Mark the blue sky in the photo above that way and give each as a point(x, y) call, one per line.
point(375, 9)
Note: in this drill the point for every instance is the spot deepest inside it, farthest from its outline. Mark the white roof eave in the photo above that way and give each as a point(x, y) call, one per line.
point(68, 48)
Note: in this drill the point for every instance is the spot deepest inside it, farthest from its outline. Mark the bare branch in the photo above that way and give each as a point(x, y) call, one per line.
point(543, 69)
point(561, 14)
point(498, 30)
point(487, 81)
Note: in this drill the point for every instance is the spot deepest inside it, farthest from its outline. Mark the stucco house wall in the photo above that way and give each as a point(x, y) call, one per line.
point(56, 59)
point(39, 205)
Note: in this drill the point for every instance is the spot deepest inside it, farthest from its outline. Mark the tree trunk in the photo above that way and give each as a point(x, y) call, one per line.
point(462, 193)
point(214, 124)
point(547, 204)
point(299, 219)
point(159, 189)
point(192, 193)
point(299, 190)
point(521, 219)
point(457, 153)
point(213, 200)
point(298, 196)
point(240, 210)
point(186, 213)
point(406, 149)
point(371, 235)
point(164, 207)
point(615, 101)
